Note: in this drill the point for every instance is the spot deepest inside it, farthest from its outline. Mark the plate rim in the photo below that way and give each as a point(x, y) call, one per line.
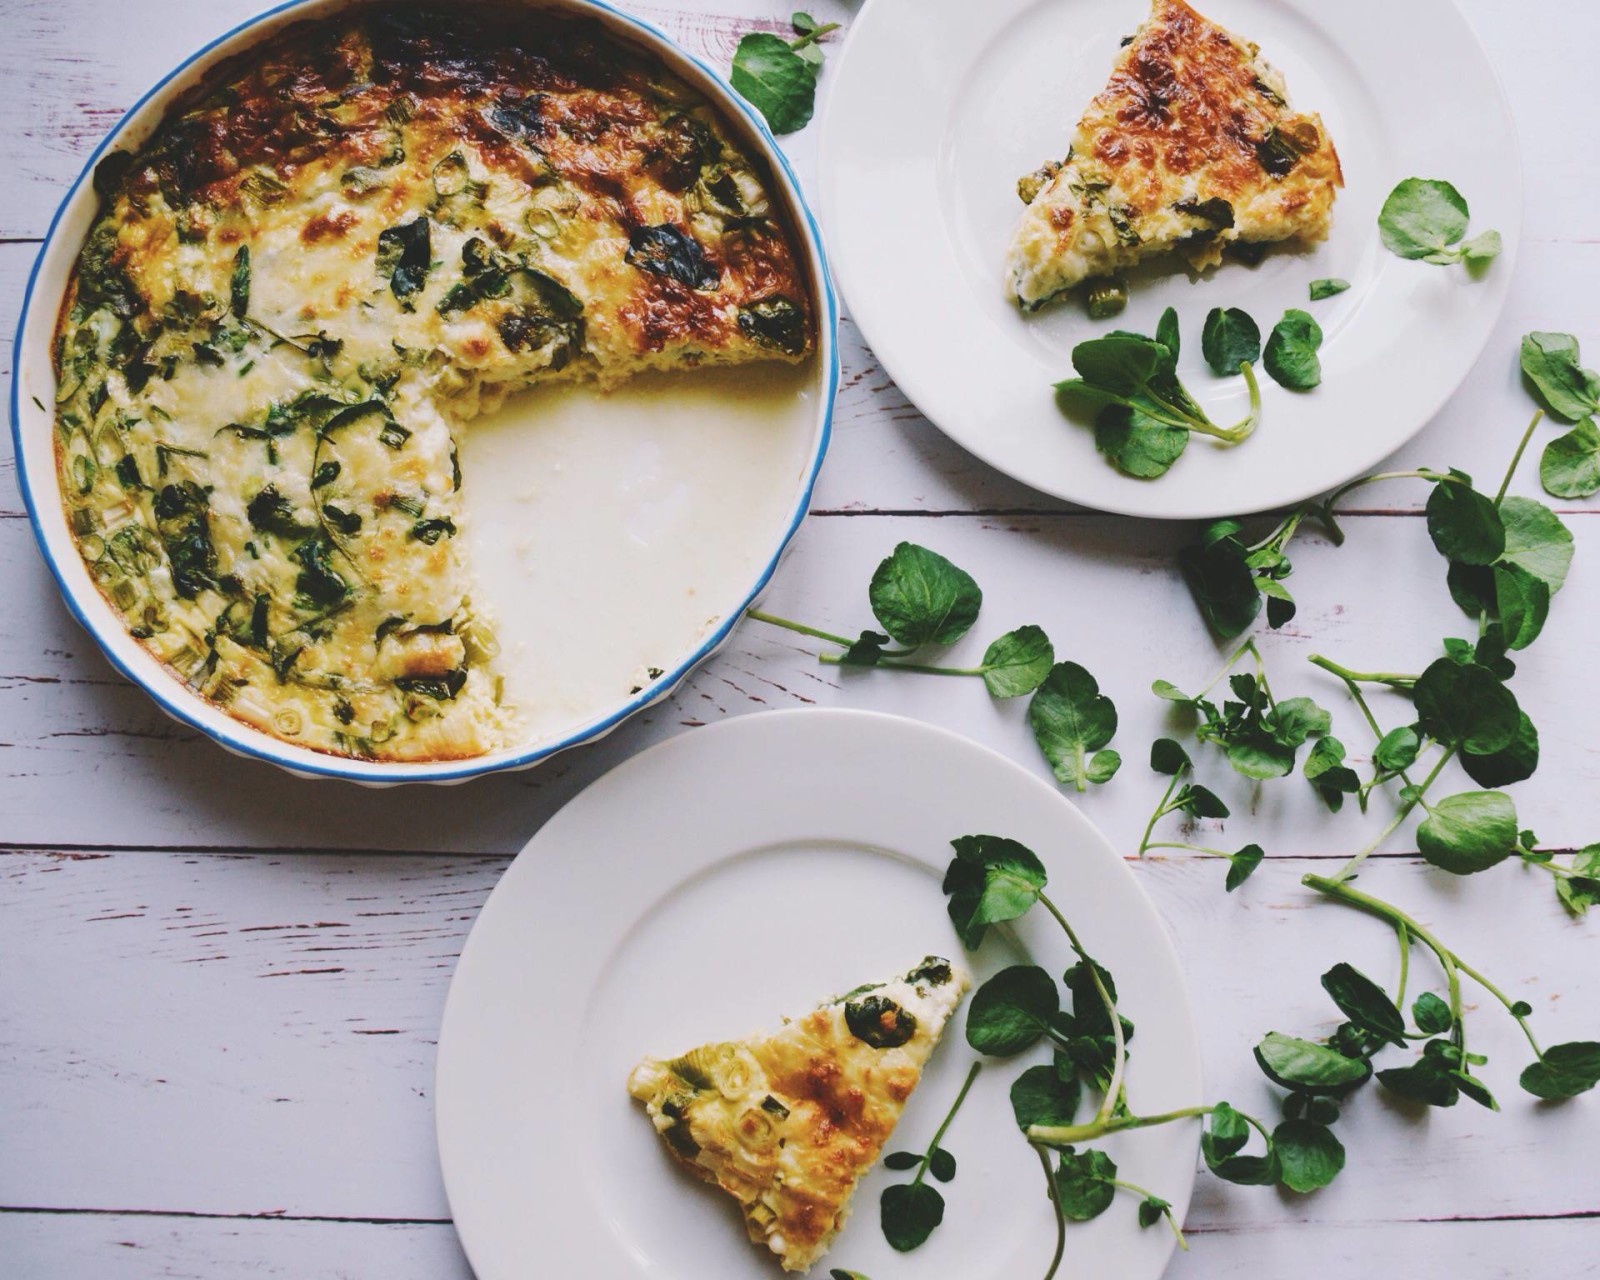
point(849, 718)
point(189, 708)
point(850, 286)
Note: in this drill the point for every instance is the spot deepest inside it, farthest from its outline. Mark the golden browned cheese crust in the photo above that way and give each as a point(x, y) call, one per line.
point(1192, 145)
point(788, 1123)
point(330, 255)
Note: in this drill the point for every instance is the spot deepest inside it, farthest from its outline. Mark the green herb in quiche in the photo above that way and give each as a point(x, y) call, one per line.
point(405, 256)
point(779, 77)
point(1426, 219)
point(909, 1212)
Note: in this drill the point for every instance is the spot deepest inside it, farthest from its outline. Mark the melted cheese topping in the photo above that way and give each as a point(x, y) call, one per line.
point(325, 261)
point(788, 1123)
point(1191, 146)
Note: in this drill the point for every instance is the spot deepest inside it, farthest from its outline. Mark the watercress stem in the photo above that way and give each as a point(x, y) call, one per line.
point(1162, 810)
point(837, 659)
point(774, 620)
point(1394, 679)
point(1061, 1217)
point(1068, 1135)
point(1146, 1194)
point(1192, 848)
point(1501, 997)
point(1349, 868)
point(1516, 458)
point(1404, 935)
point(927, 1156)
point(1119, 1053)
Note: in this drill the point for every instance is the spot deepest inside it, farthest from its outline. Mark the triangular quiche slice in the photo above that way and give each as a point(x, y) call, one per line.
point(788, 1123)
point(1192, 145)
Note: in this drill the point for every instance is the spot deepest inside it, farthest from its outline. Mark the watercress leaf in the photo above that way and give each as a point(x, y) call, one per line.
point(1070, 718)
point(1570, 464)
point(1280, 604)
point(1514, 762)
point(1471, 587)
point(909, 1211)
point(1012, 1010)
point(1321, 289)
point(1398, 749)
point(990, 880)
point(1167, 332)
point(865, 650)
point(1121, 363)
point(1421, 218)
point(1550, 361)
point(942, 1165)
point(1523, 603)
point(1482, 249)
point(1249, 1171)
point(1297, 719)
point(1431, 1014)
point(1225, 1136)
point(920, 598)
point(1475, 1089)
point(775, 80)
point(1258, 754)
point(1200, 802)
point(1169, 757)
point(1242, 865)
point(901, 1160)
point(1041, 1095)
point(839, 1273)
point(1327, 772)
point(1222, 584)
point(1084, 1187)
point(1469, 832)
point(1466, 527)
point(1018, 662)
point(1429, 1080)
point(1169, 691)
point(1462, 704)
point(1311, 1068)
point(1536, 540)
point(1581, 890)
point(1564, 1071)
point(1151, 1209)
point(1309, 1155)
point(802, 22)
point(1365, 1003)
point(1230, 338)
point(1290, 357)
point(1136, 443)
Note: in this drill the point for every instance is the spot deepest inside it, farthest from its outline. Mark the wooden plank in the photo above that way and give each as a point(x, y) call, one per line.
point(127, 1247)
point(87, 759)
point(260, 1031)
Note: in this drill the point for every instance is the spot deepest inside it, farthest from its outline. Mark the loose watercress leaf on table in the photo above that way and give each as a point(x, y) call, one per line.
point(908, 1213)
point(1536, 540)
point(1514, 762)
point(1570, 464)
point(1430, 1080)
point(865, 650)
point(899, 1161)
point(1221, 581)
point(1466, 527)
point(920, 598)
point(1012, 1010)
point(1550, 361)
point(1223, 1139)
point(1199, 802)
point(1431, 1014)
point(1103, 766)
point(1564, 1071)
point(1043, 1095)
point(1168, 757)
point(1310, 1068)
point(1398, 749)
point(1326, 770)
point(1242, 865)
point(1018, 662)
point(1422, 218)
point(1084, 1184)
point(1522, 603)
point(1365, 1003)
point(773, 78)
point(1469, 832)
point(1321, 289)
point(1230, 339)
point(990, 880)
point(1462, 704)
point(1071, 718)
point(1581, 890)
point(1309, 1155)
point(942, 1165)
point(1291, 357)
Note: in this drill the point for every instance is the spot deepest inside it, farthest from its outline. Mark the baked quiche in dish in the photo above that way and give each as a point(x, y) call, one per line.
point(788, 1123)
point(333, 254)
point(1192, 146)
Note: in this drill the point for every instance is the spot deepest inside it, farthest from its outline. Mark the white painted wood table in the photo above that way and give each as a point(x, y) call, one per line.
point(220, 987)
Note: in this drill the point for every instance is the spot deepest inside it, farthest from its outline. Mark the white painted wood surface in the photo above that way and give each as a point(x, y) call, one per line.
point(219, 987)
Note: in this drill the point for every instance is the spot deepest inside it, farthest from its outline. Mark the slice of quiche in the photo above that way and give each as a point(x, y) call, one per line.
point(788, 1123)
point(1191, 146)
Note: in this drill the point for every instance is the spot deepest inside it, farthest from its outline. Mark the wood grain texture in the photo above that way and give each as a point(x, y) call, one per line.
point(286, 1009)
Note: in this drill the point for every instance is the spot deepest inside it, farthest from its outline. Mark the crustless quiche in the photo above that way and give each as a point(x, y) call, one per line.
point(330, 256)
point(1192, 146)
point(788, 1123)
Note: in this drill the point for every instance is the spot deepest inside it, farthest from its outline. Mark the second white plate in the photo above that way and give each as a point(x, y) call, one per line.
point(736, 874)
point(936, 107)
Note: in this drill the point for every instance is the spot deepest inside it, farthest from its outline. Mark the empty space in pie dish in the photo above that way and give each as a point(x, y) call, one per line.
point(609, 533)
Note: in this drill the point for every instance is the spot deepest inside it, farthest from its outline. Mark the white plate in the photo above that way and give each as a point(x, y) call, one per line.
point(728, 877)
point(936, 107)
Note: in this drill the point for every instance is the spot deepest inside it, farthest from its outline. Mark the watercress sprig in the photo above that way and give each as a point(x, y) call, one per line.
point(779, 77)
point(1426, 219)
point(909, 1212)
point(1570, 464)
